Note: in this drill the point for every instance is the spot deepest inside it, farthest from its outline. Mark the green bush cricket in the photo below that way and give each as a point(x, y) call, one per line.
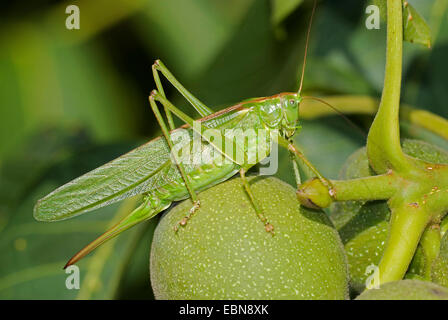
point(156, 172)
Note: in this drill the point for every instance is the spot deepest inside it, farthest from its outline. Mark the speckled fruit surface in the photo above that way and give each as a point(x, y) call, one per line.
point(224, 251)
point(406, 290)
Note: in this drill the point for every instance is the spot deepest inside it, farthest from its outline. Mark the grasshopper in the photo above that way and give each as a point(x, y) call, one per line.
point(155, 171)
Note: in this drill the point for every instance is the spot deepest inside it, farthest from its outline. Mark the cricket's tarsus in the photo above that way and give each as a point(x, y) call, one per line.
point(184, 221)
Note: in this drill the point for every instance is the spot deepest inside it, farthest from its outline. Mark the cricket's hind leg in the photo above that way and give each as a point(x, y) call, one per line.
point(267, 226)
point(185, 177)
point(201, 108)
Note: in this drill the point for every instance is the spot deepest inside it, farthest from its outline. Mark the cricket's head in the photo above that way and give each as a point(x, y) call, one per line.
point(290, 113)
point(281, 112)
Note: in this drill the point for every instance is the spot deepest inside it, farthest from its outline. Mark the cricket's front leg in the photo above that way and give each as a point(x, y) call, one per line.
point(295, 152)
point(295, 167)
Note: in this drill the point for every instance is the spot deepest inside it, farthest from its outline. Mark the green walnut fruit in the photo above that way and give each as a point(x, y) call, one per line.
point(224, 251)
point(406, 290)
point(439, 270)
point(363, 226)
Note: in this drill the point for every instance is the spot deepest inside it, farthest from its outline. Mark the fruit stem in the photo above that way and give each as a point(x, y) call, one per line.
point(379, 187)
point(383, 142)
point(406, 227)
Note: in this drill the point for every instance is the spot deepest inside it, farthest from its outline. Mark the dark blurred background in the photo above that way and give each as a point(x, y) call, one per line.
point(73, 99)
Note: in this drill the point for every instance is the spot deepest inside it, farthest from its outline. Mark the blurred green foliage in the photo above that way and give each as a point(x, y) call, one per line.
point(73, 99)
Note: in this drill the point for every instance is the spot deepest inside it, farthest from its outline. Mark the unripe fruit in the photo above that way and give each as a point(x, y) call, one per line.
point(406, 290)
point(439, 270)
point(224, 251)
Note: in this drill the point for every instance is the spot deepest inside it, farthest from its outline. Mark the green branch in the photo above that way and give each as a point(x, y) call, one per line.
point(380, 187)
point(383, 143)
point(358, 104)
point(406, 227)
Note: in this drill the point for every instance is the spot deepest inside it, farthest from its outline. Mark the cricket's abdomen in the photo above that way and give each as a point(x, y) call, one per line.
point(201, 178)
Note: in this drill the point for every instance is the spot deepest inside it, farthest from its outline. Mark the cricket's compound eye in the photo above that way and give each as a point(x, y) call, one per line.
point(290, 110)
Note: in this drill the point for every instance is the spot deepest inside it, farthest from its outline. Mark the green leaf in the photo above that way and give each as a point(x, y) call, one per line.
point(189, 34)
point(281, 9)
point(33, 253)
point(44, 82)
point(415, 28)
point(412, 131)
point(31, 270)
point(250, 63)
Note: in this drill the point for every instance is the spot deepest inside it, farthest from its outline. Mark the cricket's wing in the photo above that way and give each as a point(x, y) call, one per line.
point(136, 172)
point(149, 167)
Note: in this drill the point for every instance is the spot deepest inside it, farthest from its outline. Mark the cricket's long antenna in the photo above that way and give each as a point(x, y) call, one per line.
point(350, 122)
point(306, 46)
